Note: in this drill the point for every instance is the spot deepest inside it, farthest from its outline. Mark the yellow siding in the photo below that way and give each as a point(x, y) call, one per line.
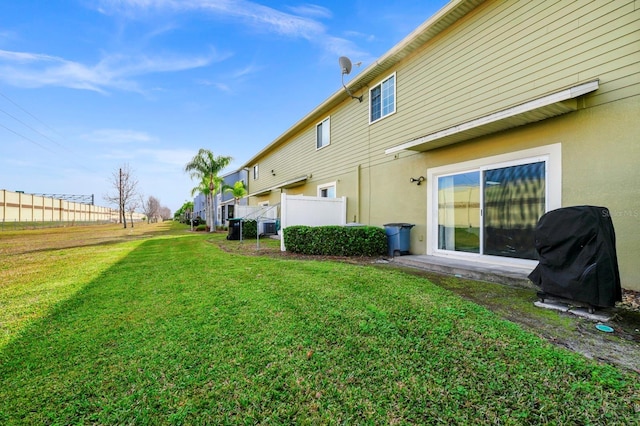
point(511, 53)
point(500, 55)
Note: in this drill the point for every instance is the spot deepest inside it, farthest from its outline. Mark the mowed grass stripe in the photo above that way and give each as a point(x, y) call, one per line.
point(179, 332)
point(41, 268)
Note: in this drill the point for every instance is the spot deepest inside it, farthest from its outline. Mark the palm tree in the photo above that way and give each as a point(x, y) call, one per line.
point(204, 187)
point(205, 167)
point(238, 190)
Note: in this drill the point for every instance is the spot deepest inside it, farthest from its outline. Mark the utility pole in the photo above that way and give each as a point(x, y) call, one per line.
point(120, 196)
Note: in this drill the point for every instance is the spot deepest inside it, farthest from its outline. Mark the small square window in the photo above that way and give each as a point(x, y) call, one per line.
point(323, 133)
point(382, 99)
point(327, 190)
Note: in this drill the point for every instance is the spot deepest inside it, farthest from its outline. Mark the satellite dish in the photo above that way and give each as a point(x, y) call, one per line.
point(345, 64)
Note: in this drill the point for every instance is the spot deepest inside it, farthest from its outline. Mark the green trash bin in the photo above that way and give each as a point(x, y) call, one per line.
point(234, 229)
point(398, 238)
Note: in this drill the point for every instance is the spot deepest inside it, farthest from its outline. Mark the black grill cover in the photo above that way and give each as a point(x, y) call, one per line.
point(576, 248)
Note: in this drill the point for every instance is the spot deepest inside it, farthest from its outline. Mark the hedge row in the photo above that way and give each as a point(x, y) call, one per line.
point(336, 240)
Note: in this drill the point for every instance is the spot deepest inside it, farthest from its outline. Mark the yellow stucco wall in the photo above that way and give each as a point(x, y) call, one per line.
point(600, 166)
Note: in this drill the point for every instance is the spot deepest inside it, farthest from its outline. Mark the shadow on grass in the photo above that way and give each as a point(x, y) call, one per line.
point(91, 356)
point(179, 332)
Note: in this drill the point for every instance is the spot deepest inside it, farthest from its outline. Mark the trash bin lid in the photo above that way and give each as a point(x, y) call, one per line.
point(400, 225)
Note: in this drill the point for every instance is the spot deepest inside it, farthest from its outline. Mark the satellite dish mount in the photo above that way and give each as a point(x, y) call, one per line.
point(345, 65)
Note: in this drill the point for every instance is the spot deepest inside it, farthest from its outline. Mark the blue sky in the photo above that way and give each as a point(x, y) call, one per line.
point(89, 85)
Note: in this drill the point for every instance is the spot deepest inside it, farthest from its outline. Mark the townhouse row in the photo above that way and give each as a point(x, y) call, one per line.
point(485, 117)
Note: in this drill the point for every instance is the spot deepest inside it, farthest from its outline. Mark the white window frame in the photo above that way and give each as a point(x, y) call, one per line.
point(328, 186)
point(325, 127)
point(255, 172)
point(551, 154)
point(395, 98)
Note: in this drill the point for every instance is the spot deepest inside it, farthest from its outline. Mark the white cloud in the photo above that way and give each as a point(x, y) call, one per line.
point(24, 57)
point(27, 69)
point(248, 70)
point(311, 10)
point(252, 14)
point(299, 24)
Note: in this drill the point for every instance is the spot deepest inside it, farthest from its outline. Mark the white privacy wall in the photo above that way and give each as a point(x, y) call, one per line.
point(311, 211)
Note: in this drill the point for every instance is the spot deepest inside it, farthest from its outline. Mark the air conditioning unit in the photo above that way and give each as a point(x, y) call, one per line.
point(267, 227)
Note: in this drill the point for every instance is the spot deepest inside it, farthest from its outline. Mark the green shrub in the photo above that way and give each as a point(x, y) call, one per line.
point(336, 240)
point(202, 227)
point(249, 229)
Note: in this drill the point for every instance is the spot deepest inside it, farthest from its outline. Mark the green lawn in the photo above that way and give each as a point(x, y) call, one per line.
point(163, 327)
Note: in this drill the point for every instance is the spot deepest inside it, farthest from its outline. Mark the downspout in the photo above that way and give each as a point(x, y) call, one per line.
point(357, 216)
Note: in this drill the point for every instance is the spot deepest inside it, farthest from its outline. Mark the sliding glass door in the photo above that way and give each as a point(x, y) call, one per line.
point(459, 212)
point(492, 210)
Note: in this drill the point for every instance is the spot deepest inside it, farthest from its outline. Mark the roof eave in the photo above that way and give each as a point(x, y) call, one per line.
point(443, 19)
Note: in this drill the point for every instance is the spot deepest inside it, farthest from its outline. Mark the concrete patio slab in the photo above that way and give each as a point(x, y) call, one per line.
point(503, 274)
point(576, 310)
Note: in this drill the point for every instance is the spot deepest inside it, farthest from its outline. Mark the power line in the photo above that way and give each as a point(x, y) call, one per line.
point(29, 139)
point(29, 114)
point(34, 129)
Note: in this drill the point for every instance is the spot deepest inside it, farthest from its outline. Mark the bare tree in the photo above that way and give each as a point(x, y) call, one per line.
point(151, 208)
point(165, 213)
point(131, 208)
point(125, 190)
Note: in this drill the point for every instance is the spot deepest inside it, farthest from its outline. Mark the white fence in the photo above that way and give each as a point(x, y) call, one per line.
point(311, 211)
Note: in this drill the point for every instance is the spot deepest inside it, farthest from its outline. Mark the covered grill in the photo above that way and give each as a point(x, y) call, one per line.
point(576, 248)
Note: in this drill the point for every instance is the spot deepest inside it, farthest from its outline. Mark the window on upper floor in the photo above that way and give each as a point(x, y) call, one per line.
point(323, 133)
point(382, 99)
point(255, 172)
